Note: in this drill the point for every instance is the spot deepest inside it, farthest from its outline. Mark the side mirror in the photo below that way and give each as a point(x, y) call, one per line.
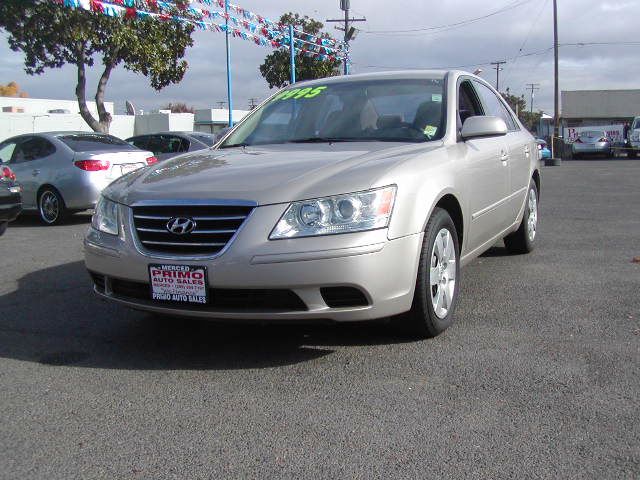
point(478, 127)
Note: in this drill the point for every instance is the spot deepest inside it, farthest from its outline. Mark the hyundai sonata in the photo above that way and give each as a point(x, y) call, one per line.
point(350, 198)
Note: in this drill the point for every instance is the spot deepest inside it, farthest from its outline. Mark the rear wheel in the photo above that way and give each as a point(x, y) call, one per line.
point(51, 207)
point(523, 240)
point(437, 284)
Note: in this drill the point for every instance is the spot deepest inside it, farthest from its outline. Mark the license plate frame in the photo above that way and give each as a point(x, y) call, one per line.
point(126, 168)
point(183, 284)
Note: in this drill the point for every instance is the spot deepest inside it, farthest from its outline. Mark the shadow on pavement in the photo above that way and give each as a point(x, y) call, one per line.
point(54, 318)
point(31, 220)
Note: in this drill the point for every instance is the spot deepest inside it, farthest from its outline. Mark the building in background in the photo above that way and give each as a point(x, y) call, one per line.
point(46, 106)
point(215, 119)
point(30, 115)
point(608, 110)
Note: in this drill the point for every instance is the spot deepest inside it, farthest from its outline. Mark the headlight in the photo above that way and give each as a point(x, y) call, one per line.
point(105, 218)
point(354, 212)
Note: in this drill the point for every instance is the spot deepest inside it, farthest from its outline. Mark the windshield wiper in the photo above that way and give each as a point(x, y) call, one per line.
point(233, 145)
point(323, 140)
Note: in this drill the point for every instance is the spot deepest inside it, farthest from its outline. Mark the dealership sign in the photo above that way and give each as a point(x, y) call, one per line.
point(614, 132)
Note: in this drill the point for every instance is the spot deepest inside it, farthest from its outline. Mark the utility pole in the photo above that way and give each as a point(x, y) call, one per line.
point(498, 67)
point(556, 92)
point(532, 87)
point(253, 103)
point(349, 31)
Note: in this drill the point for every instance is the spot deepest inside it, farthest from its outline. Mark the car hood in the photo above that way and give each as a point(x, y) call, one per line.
point(265, 175)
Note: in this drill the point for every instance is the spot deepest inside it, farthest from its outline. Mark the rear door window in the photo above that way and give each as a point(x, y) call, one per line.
point(33, 148)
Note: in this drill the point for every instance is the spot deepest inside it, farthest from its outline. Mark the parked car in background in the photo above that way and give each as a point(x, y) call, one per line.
point(633, 140)
point(166, 145)
point(591, 142)
point(543, 148)
point(64, 172)
point(10, 198)
point(344, 198)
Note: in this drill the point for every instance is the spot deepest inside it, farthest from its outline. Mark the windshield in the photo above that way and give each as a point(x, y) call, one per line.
point(374, 110)
point(94, 142)
point(636, 124)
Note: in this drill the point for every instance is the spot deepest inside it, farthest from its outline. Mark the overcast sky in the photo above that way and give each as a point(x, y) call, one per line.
point(499, 37)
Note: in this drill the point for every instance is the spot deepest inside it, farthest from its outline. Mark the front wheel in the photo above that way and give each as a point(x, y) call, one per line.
point(51, 207)
point(523, 240)
point(436, 293)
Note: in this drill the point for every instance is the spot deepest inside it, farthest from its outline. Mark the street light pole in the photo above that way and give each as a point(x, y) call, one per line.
point(345, 5)
point(556, 93)
point(229, 92)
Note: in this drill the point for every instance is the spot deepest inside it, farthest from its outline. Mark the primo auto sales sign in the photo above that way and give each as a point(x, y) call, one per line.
point(614, 132)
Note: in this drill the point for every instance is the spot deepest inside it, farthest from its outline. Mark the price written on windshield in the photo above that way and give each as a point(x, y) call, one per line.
point(299, 93)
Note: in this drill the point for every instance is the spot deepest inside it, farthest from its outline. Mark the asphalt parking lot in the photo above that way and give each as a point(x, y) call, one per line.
point(539, 377)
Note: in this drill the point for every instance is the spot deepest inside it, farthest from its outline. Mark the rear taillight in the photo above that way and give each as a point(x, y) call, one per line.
point(92, 165)
point(7, 173)
point(151, 160)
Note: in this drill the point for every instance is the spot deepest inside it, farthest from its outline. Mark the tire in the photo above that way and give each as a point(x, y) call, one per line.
point(523, 240)
point(3, 227)
point(632, 154)
point(51, 208)
point(434, 303)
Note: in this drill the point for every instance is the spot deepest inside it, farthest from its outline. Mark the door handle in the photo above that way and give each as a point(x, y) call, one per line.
point(504, 156)
point(35, 172)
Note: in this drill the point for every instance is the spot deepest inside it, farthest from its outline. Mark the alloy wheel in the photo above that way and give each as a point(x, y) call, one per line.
point(442, 273)
point(49, 207)
point(532, 223)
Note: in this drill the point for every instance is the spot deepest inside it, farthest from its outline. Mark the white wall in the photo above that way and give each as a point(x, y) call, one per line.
point(163, 122)
point(40, 106)
point(12, 124)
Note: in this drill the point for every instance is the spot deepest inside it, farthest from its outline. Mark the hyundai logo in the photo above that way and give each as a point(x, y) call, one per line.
point(181, 225)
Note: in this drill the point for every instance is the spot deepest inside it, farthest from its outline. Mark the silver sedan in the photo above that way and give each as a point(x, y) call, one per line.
point(349, 198)
point(591, 142)
point(63, 172)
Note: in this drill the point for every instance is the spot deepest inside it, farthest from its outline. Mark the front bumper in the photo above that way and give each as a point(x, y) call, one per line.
point(383, 270)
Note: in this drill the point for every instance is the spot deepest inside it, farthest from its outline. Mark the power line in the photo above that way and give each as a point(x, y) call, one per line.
point(524, 43)
point(451, 26)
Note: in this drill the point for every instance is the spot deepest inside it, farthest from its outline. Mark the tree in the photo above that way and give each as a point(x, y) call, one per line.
point(276, 68)
point(179, 108)
point(12, 89)
point(519, 105)
point(51, 36)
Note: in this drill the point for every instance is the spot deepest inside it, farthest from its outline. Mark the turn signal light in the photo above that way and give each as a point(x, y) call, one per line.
point(7, 173)
point(92, 165)
point(152, 160)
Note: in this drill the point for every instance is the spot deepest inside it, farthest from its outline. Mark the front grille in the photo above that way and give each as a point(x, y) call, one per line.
point(215, 227)
point(220, 299)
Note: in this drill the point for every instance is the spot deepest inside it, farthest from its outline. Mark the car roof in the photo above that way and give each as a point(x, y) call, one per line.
point(398, 75)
